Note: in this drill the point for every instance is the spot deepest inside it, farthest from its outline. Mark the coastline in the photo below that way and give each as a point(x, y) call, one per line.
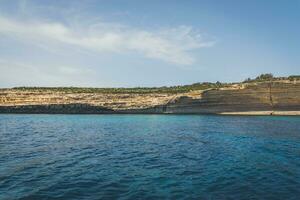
point(258, 98)
point(70, 109)
point(263, 113)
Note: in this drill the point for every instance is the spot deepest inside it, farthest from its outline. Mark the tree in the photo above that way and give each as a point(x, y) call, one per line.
point(265, 77)
point(247, 80)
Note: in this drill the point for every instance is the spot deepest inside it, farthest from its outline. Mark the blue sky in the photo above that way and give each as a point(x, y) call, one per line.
point(132, 43)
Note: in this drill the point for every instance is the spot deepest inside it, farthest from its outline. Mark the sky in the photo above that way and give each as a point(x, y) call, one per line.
point(134, 43)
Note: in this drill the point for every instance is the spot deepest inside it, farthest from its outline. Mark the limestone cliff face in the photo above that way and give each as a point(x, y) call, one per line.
point(265, 96)
point(275, 96)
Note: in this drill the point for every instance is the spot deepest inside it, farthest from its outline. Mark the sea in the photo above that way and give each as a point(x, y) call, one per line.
point(149, 157)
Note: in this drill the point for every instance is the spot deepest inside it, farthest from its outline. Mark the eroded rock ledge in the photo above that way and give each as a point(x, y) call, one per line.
point(263, 98)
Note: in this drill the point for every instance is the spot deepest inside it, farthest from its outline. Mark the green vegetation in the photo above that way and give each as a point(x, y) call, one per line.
point(265, 77)
point(137, 90)
point(294, 77)
point(262, 77)
point(270, 77)
point(145, 90)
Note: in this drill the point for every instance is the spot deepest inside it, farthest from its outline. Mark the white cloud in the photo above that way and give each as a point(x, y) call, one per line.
point(171, 45)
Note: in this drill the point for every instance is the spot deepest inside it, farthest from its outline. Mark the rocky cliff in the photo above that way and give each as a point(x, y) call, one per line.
point(267, 97)
point(256, 98)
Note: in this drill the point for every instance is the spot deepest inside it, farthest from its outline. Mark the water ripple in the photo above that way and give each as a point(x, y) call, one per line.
point(149, 157)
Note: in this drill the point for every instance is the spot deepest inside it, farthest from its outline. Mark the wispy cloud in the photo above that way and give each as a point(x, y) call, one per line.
point(173, 45)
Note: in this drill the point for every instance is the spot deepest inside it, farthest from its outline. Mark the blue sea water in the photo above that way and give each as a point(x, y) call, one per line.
point(149, 157)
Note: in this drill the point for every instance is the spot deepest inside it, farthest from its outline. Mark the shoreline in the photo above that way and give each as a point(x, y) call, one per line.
point(258, 99)
point(263, 113)
point(244, 113)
